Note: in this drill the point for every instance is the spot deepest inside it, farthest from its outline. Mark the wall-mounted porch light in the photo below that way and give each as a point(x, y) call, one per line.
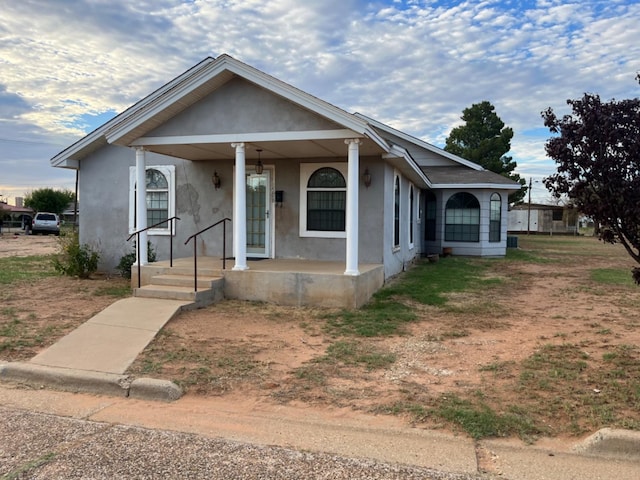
point(366, 178)
point(215, 179)
point(259, 166)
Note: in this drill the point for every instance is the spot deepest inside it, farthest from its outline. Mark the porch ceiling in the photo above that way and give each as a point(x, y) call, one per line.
point(296, 149)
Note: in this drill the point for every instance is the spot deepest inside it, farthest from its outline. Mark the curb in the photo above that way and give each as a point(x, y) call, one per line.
point(72, 380)
point(611, 443)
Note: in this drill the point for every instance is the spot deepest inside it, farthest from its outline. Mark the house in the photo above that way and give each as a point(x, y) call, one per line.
point(15, 216)
point(303, 183)
point(539, 218)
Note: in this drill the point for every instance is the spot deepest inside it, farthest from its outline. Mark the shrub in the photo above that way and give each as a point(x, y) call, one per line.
point(74, 259)
point(127, 261)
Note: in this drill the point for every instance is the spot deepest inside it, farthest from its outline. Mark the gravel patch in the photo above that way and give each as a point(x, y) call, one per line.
point(38, 446)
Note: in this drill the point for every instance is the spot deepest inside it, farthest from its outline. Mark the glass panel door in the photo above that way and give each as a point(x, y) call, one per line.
point(258, 221)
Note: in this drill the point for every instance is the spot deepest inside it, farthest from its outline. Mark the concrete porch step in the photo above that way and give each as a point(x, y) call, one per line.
point(180, 287)
point(204, 281)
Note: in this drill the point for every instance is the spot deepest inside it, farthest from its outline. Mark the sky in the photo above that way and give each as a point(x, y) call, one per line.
point(68, 66)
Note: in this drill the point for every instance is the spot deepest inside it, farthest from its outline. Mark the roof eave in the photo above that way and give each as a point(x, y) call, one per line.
point(494, 186)
point(420, 143)
point(186, 84)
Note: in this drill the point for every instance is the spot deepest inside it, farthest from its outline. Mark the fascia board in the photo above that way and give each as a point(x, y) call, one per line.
point(289, 92)
point(420, 143)
point(401, 153)
point(462, 186)
point(187, 84)
point(100, 132)
point(166, 95)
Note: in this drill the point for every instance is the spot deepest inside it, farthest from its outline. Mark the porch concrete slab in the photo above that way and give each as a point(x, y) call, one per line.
point(111, 340)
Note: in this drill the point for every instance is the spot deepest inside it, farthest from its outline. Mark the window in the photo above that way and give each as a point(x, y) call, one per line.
point(157, 197)
point(462, 218)
point(160, 181)
point(396, 213)
point(495, 218)
point(323, 200)
point(430, 216)
point(556, 215)
point(411, 216)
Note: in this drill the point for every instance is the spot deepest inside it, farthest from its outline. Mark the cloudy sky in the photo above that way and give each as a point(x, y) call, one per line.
point(67, 66)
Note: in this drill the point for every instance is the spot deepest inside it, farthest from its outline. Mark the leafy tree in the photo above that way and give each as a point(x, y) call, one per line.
point(485, 140)
point(49, 200)
point(597, 152)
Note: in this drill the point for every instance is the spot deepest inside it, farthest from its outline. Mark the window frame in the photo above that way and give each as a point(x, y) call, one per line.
point(169, 172)
point(495, 235)
point(412, 206)
point(397, 208)
point(430, 216)
point(306, 171)
point(466, 235)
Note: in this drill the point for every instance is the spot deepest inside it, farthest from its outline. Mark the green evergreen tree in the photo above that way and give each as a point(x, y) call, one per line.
point(485, 140)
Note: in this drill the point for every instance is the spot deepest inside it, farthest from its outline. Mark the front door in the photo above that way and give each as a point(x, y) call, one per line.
point(258, 214)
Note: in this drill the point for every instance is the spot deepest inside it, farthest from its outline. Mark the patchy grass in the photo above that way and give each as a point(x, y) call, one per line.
point(612, 276)
point(17, 269)
point(577, 380)
point(432, 284)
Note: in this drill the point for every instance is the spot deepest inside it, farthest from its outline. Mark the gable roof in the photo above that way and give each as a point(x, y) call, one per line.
point(187, 89)
point(129, 128)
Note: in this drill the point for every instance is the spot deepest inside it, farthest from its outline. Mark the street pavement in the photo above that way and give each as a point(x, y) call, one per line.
point(62, 435)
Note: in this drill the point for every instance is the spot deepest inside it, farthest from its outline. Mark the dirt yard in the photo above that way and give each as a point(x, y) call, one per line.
point(276, 355)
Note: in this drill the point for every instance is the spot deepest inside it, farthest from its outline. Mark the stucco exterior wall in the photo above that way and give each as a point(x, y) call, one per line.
point(242, 107)
point(104, 188)
point(398, 259)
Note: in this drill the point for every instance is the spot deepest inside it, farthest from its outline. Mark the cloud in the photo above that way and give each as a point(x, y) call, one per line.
point(414, 64)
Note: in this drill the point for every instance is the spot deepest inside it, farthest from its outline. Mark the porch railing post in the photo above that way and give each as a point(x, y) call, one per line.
point(195, 266)
point(224, 245)
point(138, 256)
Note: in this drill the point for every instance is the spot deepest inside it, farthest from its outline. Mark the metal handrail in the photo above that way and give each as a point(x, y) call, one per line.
point(195, 248)
point(137, 234)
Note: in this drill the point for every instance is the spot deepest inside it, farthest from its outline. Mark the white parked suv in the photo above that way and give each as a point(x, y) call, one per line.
point(45, 222)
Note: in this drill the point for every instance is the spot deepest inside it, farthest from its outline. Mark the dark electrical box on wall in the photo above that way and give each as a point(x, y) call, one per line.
point(279, 196)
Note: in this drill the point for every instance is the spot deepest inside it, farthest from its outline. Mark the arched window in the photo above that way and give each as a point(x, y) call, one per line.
point(430, 212)
point(157, 197)
point(396, 213)
point(462, 218)
point(160, 199)
point(326, 201)
point(495, 218)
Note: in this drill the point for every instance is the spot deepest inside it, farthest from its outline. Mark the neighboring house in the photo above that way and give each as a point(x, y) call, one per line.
point(545, 219)
point(300, 179)
point(15, 216)
point(71, 214)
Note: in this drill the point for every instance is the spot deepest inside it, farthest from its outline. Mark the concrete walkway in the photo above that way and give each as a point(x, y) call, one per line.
point(111, 341)
point(95, 356)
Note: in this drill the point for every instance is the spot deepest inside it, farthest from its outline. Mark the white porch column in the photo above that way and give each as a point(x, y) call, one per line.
point(141, 205)
point(240, 210)
point(352, 207)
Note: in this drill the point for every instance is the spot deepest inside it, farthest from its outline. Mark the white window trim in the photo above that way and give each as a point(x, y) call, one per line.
point(410, 220)
point(394, 247)
point(169, 171)
point(306, 170)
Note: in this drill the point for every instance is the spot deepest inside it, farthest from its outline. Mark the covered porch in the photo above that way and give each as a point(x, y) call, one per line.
point(282, 281)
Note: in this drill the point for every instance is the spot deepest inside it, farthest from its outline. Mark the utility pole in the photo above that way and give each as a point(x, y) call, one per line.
point(529, 209)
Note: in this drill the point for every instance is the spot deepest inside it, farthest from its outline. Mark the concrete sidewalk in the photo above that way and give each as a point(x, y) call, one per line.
point(301, 431)
point(95, 356)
